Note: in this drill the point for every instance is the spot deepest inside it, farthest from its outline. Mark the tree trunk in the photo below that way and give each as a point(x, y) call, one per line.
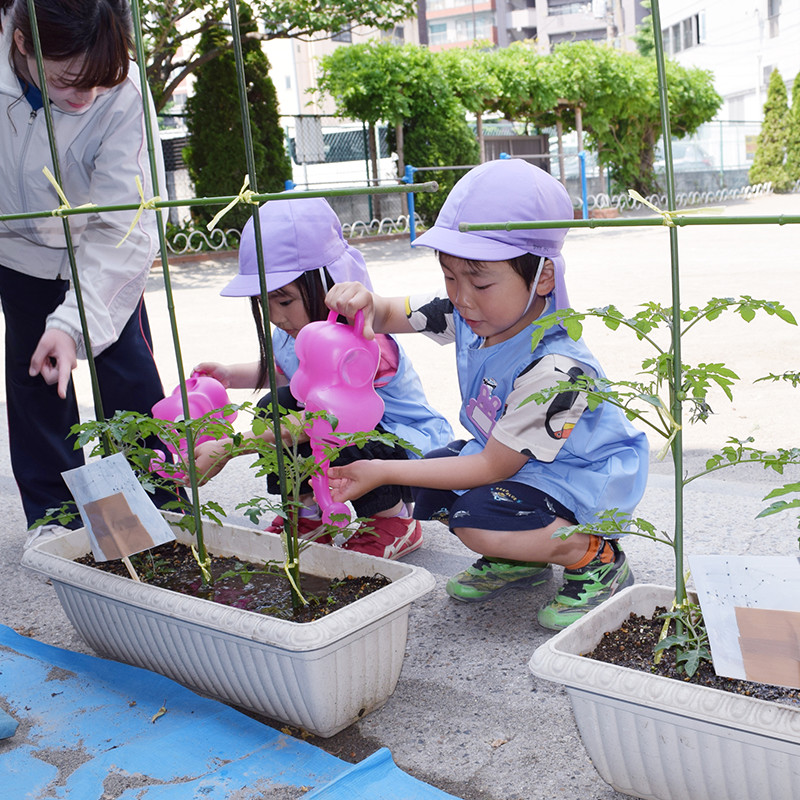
point(373, 158)
point(401, 163)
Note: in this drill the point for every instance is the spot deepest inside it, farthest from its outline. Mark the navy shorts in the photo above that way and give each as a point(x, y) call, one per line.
point(501, 506)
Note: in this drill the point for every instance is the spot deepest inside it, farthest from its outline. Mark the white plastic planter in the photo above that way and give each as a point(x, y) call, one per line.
point(321, 676)
point(662, 739)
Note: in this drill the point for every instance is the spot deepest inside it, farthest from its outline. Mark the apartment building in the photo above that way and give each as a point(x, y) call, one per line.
point(459, 23)
point(740, 42)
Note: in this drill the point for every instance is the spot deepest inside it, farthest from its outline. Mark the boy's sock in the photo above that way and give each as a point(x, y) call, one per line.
point(597, 547)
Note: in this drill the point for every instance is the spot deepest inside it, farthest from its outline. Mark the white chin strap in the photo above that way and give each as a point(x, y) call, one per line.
point(535, 285)
point(324, 280)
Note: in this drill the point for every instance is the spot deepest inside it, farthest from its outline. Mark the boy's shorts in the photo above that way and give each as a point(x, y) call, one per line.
point(501, 506)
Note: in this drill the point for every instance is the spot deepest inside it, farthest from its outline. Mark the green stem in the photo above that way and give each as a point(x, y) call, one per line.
point(173, 322)
point(675, 401)
point(255, 198)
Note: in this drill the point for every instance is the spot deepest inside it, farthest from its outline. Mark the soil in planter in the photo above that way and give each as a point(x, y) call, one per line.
point(632, 646)
point(172, 566)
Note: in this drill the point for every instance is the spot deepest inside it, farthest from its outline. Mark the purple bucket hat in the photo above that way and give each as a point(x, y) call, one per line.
point(507, 190)
point(297, 236)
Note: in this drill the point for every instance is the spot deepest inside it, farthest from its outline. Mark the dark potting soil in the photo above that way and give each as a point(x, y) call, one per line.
point(253, 587)
point(632, 646)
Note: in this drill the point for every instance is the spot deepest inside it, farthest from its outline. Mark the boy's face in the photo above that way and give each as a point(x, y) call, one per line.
point(493, 299)
point(287, 310)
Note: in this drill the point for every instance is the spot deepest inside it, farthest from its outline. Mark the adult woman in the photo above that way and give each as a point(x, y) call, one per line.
point(97, 111)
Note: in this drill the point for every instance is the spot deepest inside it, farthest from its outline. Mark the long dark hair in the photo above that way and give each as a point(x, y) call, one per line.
point(98, 31)
point(312, 293)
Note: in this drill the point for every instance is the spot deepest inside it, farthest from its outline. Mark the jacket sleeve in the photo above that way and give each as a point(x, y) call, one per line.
point(112, 278)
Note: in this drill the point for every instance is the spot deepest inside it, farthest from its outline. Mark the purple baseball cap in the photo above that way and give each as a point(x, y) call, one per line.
point(507, 190)
point(297, 236)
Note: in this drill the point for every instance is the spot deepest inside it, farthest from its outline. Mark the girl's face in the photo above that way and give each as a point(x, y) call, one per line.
point(494, 299)
point(287, 309)
point(59, 75)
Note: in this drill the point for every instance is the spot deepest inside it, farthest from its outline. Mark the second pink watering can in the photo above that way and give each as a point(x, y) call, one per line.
point(205, 395)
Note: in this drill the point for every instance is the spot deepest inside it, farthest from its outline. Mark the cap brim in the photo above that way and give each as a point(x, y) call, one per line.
point(470, 246)
point(248, 285)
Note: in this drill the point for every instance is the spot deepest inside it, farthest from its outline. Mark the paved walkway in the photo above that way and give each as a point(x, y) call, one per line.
point(467, 715)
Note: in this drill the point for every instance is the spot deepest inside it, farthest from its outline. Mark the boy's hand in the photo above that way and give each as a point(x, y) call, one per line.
point(354, 480)
point(54, 359)
point(349, 298)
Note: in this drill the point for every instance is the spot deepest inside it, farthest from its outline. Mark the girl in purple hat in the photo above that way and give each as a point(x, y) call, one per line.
point(529, 469)
point(305, 255)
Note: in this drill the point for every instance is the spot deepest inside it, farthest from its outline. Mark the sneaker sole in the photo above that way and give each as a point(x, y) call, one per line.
point(522, 583)
point(405, 550)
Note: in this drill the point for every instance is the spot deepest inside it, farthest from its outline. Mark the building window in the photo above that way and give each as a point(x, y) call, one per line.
point(437, 32)
point(736, 108)
point(477, 27)
point(555, 9)
point(343, 36)
point(687, 33)
point(773, 12)
point(396, 36)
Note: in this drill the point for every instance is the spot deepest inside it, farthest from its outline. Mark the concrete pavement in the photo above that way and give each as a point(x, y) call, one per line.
point(467, 715)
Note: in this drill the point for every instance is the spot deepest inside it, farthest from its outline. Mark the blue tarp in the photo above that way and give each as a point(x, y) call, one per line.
point(91, 728)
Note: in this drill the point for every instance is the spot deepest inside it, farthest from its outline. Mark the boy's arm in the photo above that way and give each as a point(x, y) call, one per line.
point(494, 463)
point(381, 314)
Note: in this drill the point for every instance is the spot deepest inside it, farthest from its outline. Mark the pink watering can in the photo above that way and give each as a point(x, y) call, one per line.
point(205, 395)
point(336, 373)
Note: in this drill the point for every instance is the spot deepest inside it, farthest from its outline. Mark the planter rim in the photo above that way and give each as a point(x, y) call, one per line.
point(53, 558)
point(560, 660)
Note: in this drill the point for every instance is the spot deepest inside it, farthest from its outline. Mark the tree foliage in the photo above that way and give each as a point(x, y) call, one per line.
point(216, 156)
point(770, 156)
point(644, 36)
point(173, 29)
point(528, 88)
point(616, 91)
point(793, 134)
point(404, 85)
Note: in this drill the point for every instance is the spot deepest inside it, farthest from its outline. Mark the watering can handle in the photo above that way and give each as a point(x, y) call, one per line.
point(358, 322)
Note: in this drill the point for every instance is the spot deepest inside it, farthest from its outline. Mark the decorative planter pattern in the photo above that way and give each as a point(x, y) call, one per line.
point(662, 739)
point(321, 676)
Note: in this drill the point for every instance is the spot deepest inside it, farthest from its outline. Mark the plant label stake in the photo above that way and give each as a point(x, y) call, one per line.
point(336, 373)
point(119, 516)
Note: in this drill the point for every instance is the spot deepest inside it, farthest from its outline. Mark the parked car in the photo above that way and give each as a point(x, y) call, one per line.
point(686, 157)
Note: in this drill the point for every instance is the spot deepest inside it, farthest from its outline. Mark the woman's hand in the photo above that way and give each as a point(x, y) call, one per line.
point(354, 480)
point(54, 359)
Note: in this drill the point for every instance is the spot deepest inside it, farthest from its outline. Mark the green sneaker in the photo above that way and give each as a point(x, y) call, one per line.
point(585, 588)
point(488, 577)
